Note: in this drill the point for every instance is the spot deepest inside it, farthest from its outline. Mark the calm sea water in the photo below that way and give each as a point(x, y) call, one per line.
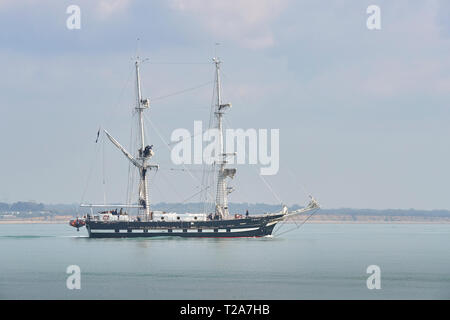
point(318, 261)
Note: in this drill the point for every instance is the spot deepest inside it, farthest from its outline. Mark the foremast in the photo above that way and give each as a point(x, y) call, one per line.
point(223, 190)
point(144, 152)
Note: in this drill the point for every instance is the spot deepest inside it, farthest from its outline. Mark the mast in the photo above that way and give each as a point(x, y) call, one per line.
point(139, 104)
point(145, 152)
point(222, 188)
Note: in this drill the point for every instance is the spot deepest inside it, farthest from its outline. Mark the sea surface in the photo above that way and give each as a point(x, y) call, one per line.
point(317, 261)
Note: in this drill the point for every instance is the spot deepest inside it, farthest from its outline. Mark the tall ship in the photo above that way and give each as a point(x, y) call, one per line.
point(113, 221)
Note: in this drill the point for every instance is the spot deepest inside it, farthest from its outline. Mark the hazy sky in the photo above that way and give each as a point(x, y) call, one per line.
point(363, 115)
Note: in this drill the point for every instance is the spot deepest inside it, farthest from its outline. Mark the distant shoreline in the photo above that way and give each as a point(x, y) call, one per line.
point(387, 220)
point(27, 221)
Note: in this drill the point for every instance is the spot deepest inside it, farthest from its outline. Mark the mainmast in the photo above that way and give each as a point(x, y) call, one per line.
point(222, 188)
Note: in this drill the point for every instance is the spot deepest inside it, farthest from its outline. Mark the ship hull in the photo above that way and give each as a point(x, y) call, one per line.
point(235, 228)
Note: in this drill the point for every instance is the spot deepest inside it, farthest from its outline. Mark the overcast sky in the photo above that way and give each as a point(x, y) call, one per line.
point(363, 115)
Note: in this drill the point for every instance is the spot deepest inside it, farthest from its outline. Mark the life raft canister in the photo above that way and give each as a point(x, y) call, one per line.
point(77, 223)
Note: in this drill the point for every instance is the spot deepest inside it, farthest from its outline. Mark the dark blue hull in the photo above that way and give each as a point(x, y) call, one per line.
point(235, 228)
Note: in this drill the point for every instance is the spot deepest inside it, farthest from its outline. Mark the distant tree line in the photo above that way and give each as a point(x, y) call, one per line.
point(387, 212)
point(259, 208)
point(239, 208)
point(22, 206)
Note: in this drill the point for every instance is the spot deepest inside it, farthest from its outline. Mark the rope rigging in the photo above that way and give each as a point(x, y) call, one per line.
point(280, 225)
point(91, 169)
point(181, 140)
point(168, 146)
point(187, 199)
point(181, 91)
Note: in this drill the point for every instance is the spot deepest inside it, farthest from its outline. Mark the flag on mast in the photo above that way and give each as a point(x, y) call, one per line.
point(98, 134)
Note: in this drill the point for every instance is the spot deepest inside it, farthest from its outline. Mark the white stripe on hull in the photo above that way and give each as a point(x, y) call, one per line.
point(176, 230)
